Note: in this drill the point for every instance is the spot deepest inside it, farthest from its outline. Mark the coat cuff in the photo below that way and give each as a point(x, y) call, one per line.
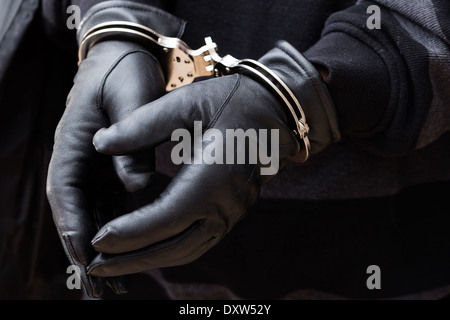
point(358, 81)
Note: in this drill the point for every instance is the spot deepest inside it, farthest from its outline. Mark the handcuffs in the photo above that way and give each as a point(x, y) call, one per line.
point(182, 65)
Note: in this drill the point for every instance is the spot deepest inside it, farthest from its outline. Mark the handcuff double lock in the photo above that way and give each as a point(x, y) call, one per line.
point(182, 65)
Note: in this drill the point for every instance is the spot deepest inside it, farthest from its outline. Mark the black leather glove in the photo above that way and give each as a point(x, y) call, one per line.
point(117, 77)
point(204, 201)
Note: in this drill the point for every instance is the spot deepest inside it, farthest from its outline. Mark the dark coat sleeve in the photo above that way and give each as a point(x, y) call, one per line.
point(54, 14)
point(391, 86)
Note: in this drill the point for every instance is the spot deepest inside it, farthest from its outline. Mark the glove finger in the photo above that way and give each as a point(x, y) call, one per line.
point(118, 284)
point(134, 80)
point(75, 226)
point(155, 122)
point(135, 171)
point(111, 203)
point(173, 212)
point(182, 249)
point(68, 182)
point(190, 197)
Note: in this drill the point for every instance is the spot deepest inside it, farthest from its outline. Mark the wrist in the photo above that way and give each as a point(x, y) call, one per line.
point(306, 83)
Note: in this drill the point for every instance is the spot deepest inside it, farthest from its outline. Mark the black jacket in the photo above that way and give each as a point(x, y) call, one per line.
point(390, 88)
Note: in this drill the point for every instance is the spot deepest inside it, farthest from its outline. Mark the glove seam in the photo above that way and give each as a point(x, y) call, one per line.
point(252, 178)
point(99, 99)
point(72, 251)
point(224, 104)
point(75, 259)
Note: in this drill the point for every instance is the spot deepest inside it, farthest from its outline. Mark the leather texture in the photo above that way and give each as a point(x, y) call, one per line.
point(116, 78)
point(203, 201)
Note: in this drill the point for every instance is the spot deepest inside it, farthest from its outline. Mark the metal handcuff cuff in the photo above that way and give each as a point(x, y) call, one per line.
point(182, 65)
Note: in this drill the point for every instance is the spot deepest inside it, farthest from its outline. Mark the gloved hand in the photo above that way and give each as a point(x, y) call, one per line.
point(117, 77)
point(204, 201)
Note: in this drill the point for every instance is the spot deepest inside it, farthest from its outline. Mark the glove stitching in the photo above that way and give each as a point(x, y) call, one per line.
point(72, 250)
point(99, 100)
point(224, 104)
point(255, 167)
point(211, 124)
point(248, 203)
point(74, 259)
